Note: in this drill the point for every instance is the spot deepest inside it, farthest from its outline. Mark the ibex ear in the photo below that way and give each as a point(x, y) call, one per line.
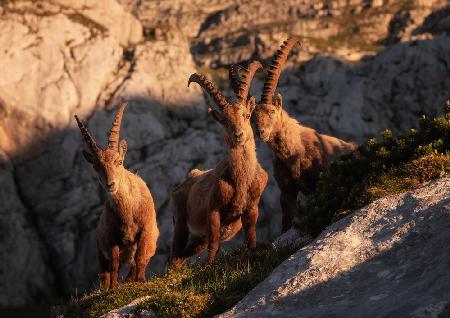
point(123, 147)
point(88, 156)
point(278, 101)
point(251, 103)
point(216, 115)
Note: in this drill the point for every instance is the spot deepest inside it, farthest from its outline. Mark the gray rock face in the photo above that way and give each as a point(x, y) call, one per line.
point(62, 57)
point(21, 246)
point(390, 90)
point(389, 259)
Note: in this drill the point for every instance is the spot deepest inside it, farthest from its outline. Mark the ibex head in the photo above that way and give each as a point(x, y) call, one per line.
point(235, 118)
point(268, 111)
point(108, 163)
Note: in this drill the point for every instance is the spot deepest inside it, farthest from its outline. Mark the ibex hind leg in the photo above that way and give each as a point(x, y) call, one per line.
point(288, 207)
point(179, 240)
point(104, 275)
point(131, 276)
point(195, 246)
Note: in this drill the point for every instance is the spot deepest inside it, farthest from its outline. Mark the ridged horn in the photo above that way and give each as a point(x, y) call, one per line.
point(235, 80)
point(113, 135)
point(200, 79)
point(274, 72)
point(87, 136)
point(246, 82)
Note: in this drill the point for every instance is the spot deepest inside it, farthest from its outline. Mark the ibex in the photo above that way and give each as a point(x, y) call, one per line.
point(301, 153)
point(212, 206)
point(127, 231)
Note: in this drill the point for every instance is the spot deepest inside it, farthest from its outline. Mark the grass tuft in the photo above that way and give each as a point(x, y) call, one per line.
point(199, 290)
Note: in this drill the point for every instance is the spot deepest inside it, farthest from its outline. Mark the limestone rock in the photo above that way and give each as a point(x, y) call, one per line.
point(109, 14)
point(54, 74)
point(346, 29)
point(389, 258)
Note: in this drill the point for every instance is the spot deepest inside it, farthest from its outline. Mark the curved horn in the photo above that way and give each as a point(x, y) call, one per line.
point(246, 82)
point(233, 75)
point(113, 135)
point(209, 88)
point(87, 136)
point(274, 71)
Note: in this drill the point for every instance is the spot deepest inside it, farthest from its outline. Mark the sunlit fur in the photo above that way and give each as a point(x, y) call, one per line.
point(301, 153)
point(212, 206)
point(127, 231)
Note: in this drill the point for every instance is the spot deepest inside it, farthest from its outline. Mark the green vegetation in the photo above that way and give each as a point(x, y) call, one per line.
point(199, 290)
point(378, 169)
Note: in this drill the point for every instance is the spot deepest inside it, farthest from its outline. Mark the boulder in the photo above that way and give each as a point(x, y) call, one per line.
point(389, 258)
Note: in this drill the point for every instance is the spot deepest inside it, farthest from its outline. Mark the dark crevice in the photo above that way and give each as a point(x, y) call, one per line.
point(128, 57)
point(33, 219)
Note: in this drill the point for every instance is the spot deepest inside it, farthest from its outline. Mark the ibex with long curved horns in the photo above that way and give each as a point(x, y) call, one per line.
point(301, 153)
point(127, 231)
point(212, 206)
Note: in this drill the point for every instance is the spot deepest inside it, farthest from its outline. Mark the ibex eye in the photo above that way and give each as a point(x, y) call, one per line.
point(247, 116)
point(272, 111)
point(120, 162)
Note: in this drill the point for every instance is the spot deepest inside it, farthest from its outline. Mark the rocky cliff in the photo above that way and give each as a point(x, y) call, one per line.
point(62, 57)
point(389, 259)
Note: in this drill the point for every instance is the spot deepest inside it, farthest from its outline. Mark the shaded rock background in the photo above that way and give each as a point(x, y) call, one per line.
point(396, 248)
point(62, 57)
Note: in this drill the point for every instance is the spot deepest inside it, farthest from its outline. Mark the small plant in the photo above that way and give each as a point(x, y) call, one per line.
point(378, 169)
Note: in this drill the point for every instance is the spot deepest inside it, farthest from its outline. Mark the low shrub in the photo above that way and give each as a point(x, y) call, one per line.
point(377, 169)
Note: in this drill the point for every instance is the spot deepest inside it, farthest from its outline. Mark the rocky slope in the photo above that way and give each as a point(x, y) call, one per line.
point(225, 31)
point(389, 259)
point(62, 57)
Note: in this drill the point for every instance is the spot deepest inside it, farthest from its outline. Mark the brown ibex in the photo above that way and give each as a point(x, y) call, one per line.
point(301, 153)
point(127, 231)
point(212, 206)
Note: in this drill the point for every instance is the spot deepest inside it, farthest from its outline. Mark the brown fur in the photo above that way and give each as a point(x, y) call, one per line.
point(127, 231)
point(212, 206)
point(301, 153)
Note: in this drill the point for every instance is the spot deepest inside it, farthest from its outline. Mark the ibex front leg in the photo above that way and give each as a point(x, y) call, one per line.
point(249, 219)
point(114, 266)
point(213, 235)
point(146, 249)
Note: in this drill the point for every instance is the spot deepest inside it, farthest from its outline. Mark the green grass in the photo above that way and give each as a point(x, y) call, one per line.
point(378, 169)
point(199, 290)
